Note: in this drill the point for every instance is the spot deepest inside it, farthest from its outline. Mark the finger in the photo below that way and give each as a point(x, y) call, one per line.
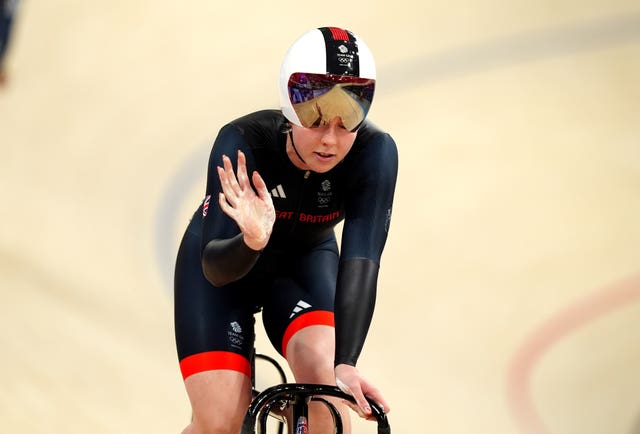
point(359, 410)
point(243, 178)
point(231, 176)
point(261, 188)
point(226, 208)
point(382, 403)
point(363, 408)
point(228, 191)
point(355, 408)
point(373, 394)
point(362, 403)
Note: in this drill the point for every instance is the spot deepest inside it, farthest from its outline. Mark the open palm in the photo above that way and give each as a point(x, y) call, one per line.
point(251, 209)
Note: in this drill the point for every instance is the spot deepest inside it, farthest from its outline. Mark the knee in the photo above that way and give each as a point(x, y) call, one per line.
point(311, 358)
point(221, 419)
point(219, 400)
point(310, 349)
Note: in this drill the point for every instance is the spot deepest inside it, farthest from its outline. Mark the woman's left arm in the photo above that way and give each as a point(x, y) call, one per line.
point(368, 215)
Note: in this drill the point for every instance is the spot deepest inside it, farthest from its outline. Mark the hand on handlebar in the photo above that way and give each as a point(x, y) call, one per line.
point(349, 380)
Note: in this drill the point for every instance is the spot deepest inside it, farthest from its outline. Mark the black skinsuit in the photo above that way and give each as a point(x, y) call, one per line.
point(299, 279)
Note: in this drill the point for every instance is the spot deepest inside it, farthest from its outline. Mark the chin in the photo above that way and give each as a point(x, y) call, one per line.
point(323, 167)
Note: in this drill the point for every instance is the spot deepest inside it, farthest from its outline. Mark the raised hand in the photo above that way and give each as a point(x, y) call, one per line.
point(254, 213)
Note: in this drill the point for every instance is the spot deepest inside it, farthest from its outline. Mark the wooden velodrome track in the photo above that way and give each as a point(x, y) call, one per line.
point(510, 288)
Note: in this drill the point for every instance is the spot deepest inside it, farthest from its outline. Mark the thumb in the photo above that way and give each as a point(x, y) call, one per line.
point(261, 187)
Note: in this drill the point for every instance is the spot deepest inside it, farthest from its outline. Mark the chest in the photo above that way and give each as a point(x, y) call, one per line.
point(308, 198)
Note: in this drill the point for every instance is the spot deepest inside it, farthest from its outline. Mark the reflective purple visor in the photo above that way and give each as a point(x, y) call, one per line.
point(319, 98)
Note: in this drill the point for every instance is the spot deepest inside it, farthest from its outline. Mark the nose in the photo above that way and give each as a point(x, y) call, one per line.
point(330, 136)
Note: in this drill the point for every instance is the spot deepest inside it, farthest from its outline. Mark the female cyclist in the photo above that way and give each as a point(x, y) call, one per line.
point(279, 181)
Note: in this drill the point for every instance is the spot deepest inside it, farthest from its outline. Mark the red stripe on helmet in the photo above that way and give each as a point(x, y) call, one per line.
point(339, 34)
point(214, 360)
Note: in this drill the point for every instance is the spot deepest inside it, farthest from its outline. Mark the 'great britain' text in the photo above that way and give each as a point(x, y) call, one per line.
point(308, 218)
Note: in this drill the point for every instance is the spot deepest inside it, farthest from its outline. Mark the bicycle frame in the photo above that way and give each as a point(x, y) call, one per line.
point(295, 398)
point(299, 395)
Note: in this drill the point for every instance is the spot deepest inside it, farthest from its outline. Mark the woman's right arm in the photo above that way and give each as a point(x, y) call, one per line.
point(233, 233)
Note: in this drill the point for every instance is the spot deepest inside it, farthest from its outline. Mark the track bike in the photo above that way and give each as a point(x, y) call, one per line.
point(289, 404)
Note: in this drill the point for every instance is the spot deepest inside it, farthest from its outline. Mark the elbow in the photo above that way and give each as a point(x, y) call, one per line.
point(215, 277)
point(226, 261)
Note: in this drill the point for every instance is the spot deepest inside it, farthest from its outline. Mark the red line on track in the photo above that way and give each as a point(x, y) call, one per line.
point(548, 334)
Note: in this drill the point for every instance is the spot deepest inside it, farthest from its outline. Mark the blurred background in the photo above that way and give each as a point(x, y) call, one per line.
point(509, 289)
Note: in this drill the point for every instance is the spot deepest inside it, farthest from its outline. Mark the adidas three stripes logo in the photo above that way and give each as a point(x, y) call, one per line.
point(278, 192)
point(302, 305)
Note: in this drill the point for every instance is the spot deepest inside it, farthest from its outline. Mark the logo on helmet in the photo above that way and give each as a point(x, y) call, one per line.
point(345, 59)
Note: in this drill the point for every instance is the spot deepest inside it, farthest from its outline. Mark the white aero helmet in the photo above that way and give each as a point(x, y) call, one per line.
point(327, 72)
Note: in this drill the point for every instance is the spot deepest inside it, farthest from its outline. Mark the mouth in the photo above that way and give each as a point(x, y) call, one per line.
point(324, 156)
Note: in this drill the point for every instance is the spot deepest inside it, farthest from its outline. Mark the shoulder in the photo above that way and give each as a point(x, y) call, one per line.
point(262, 121)
point(258, 130)
point(260, 135)
point(373, 147)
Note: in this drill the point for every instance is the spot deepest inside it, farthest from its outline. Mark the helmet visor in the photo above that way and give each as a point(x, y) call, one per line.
point(319, 98)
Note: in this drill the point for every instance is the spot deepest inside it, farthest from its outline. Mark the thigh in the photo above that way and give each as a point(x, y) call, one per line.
point(214, 326)
point(219, 400)
point(303, 296)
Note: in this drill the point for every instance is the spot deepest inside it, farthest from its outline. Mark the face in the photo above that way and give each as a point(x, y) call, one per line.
point(322, 147)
